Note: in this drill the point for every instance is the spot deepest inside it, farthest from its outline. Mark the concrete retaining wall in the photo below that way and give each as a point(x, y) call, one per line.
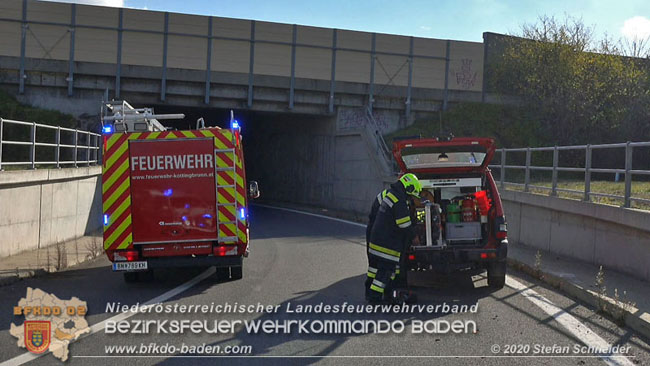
point(43, 207)
point(613, 237)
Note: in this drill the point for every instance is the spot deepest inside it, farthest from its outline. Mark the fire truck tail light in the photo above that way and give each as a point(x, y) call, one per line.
point(411, 257)
point(126, 255)
point(224, 250)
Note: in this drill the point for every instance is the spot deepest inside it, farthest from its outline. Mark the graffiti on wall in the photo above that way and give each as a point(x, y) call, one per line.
point(466, 77)
point(356, 118)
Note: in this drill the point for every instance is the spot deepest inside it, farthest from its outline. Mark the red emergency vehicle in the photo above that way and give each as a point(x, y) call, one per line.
point(172, 198)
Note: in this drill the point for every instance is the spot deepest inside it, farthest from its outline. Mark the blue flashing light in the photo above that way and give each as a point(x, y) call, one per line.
point(168, 192)
point(105, 220)
point(107, 129)
point(184, 218)
point(234, 124)
point(187, 205)
point(207, 216)
point(242, 213)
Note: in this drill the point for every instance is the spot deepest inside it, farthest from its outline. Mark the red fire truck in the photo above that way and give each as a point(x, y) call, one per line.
point(172, 198)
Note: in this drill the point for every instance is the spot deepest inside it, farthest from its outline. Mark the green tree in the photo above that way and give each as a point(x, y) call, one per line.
point(583, 90)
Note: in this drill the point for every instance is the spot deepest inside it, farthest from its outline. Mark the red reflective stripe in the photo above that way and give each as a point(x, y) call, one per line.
point(107, 174)
point(226, 230)
point(225, 158)
point(223, 139)
point(116, 185)
point(121, 140)
point(120, 239)
point(226, 213)
point(226, 177)
point(118, 221)
point(226, 195)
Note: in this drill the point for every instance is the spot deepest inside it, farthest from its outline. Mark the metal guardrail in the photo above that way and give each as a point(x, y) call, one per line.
point(90, 145)
point(628, 172)
point(383, 151)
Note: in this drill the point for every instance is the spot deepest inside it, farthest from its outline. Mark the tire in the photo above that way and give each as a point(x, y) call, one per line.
point(237, 272)
point(496, 275)
point(130, 277)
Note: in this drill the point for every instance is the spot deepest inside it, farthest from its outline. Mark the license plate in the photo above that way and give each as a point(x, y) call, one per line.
point(130, 266)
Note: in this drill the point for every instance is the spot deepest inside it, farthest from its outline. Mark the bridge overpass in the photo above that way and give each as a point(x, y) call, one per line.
point(313, 99)
point(65, 53)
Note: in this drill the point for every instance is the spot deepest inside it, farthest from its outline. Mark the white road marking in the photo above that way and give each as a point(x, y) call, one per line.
point(573, 325)
point(311, 214)
point(568, 321)
point(28, 356)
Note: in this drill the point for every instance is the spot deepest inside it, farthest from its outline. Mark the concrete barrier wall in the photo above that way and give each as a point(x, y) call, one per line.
point(96, 40)
point(613, 237)
point(42, 207)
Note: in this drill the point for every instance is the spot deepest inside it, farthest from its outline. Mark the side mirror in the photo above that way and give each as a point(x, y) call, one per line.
point(253, 189)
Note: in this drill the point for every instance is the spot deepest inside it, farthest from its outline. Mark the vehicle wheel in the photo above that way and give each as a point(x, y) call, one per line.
point(130, 277)
point(237, 272)
point(496, 275)
point(223, 273)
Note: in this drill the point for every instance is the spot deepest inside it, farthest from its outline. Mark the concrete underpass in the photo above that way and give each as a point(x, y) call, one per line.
point(317, 160)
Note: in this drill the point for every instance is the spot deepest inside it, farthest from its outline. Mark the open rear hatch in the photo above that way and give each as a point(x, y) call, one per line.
point(432, 156)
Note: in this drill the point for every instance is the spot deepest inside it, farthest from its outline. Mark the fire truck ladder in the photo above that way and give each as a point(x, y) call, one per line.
point(120, 116)
point(221, 238)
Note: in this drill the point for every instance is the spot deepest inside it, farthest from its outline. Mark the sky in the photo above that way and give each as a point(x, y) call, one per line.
point(444, 19)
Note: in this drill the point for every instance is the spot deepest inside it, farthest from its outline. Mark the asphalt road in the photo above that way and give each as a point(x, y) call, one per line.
point(299, 260)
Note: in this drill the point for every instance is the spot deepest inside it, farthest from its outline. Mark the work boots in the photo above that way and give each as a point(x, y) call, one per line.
point(403, 296)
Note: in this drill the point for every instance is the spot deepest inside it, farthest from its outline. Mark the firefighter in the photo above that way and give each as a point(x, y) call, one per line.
point(372, 266)
point(390, 235)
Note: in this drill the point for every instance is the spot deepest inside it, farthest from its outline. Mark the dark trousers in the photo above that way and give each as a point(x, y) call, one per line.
point(379, 282)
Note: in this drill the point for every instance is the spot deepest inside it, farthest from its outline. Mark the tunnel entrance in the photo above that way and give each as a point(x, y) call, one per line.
point(290, 155)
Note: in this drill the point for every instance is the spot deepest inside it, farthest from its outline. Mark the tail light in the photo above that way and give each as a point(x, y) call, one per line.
point(224, 250)
point(411, 257)
point(126, 255)
point(500, 228)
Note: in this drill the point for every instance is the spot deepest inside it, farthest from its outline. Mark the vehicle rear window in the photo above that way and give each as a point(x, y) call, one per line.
point(440, 156)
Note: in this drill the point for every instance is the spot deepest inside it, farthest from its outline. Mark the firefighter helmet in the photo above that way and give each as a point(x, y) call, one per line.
point(411, 184)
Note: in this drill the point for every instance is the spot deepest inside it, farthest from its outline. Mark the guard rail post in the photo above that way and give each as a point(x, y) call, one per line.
point(88, 149)
point(1, 128)
point(76, 136)
point(628, 174)
point(588, 151)
point(32, 150)
point(57, 152)
point(527, 176)
point(556, 158)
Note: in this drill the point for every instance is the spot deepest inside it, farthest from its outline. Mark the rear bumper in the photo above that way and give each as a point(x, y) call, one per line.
point(202, 261)
point(451, 258)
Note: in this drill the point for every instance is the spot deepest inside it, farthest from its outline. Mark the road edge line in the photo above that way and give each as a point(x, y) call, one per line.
point(634, 318)
point(28, 356)
point(310, 214)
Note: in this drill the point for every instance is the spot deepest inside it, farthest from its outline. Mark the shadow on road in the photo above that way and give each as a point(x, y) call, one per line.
point(96, 284)
point(457, 290)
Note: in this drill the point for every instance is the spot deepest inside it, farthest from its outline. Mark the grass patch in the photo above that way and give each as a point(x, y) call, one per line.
point(639, 190)
point(510, 126)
